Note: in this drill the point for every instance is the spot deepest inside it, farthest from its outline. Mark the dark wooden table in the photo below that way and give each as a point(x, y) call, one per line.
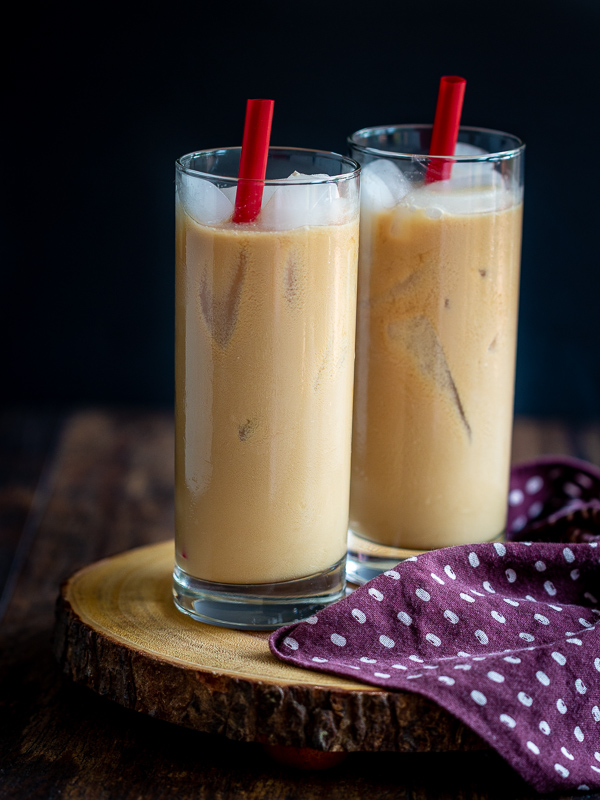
point(78, 486)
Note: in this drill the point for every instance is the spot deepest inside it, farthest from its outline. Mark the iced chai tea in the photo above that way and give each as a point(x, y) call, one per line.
point(265, 322)
point(436, 340)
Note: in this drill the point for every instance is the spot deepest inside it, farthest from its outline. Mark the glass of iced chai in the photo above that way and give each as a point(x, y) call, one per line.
point(265, 324)
point(435, 343)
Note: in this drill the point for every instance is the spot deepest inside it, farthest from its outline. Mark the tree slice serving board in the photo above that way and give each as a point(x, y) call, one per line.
point(118, 632)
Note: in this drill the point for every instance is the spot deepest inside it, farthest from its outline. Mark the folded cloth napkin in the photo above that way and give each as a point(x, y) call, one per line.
point(503, 635)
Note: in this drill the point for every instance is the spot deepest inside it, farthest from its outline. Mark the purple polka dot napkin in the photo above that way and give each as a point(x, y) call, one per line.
point(503, 635)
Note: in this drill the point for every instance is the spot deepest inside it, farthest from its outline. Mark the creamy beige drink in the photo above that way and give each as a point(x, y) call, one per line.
point(436, 337)
point(265, 323)
point(436, 340)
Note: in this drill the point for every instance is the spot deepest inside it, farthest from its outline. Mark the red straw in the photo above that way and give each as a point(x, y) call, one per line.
point(445, 127)
point(253, 161)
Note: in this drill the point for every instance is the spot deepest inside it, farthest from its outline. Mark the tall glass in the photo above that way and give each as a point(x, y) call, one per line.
point(436, 340)
point(265, 323)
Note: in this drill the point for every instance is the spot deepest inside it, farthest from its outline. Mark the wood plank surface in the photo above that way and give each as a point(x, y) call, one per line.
point(26, 443)
point(532, 438)
point(109, 488)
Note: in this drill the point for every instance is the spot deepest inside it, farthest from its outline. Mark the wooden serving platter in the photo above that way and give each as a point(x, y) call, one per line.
point(118, 632)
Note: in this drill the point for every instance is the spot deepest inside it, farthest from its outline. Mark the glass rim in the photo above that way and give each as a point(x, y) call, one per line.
point(234, 179)
point(500, 155)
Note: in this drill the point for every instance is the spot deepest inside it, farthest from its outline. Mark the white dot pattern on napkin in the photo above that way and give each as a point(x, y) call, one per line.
point(481, 637)
point(450, 572)
point(534, 484)
point(571, 489)
point(516, 497)
point(525, 699)
point(511, 660)
point(535, 509)
point(479, 697)
point(561, 705)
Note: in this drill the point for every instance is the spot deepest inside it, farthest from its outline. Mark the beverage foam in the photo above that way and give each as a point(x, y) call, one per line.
point(473, 193)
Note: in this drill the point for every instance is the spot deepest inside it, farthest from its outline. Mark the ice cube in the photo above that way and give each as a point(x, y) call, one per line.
point(420, 339)
point(461, 195)
point(230, 192)
point(464, 149)
point(301, 203)
point(382, 185)
point(268, 193)
point(203, 201)
point(478, 172)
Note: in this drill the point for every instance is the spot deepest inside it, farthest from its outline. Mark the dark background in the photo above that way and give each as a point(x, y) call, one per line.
point(101, 100)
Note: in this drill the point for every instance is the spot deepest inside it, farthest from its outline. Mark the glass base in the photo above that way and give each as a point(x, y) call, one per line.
point(368, 559)
point(259, 606)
